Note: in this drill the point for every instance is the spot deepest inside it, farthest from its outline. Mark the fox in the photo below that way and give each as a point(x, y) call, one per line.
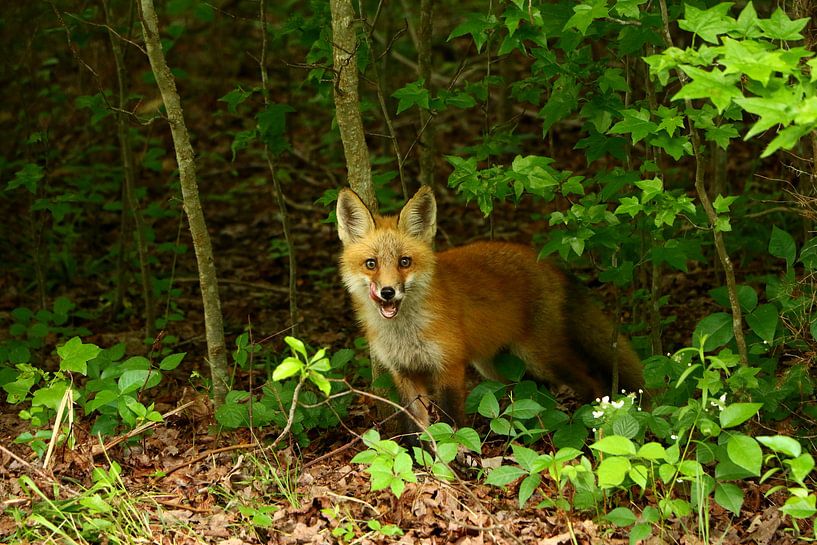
point(428, 315)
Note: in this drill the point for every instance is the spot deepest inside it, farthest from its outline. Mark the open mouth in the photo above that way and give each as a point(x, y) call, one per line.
point(388, 309)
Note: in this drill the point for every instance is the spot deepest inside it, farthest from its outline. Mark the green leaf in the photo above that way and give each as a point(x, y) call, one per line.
point(468, 438)
point(523, 409)
point(563, 101)
point(614, 444)
point(234, 98)
point(488, 405)
point(772, 110)
point(714, 85)
point(321, 382)
point(102, 398)
point(675, 146)
point(612, 471)
point(477, 25)
point(745, 452)
point(652, 451)
point(297, 347)
point(717, 328)
point(786, 139)
point(747, 23)
point(800, 466)
point(287, 368)
point(412, 94)
point(626, 425)
point(729, 496)
point(75, 355)
point(272, 127)
point(51, 396)
point(504, 475)
point(585, 13)
point(782, 245)
point(800, 507)
point(721, 134)
point(780, 27)
point(738, 413)
point(640, 532)
point(763, 321)
point(635, 122)
point(172, 361)
point(138, 379)
point(621, 517)
point(708, 23)
point(528, 487)
point(639, 474)
point(781, 444)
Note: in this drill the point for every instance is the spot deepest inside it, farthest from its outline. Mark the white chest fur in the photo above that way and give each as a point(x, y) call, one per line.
point(401, 344)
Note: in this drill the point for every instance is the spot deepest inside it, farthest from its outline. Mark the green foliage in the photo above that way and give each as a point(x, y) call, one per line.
point(110, 390)
point(317, 371)
point(107, 507)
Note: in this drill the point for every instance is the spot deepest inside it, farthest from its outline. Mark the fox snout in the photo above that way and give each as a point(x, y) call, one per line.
point(387, 298)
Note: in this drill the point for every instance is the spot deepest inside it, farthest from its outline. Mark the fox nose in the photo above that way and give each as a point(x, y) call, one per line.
point(387, 293)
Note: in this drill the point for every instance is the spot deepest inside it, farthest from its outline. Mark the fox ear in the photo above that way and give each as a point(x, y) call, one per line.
point(419, 217)
point(354, 219)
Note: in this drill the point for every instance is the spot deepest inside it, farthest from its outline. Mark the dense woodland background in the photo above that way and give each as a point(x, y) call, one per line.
point(662, 152)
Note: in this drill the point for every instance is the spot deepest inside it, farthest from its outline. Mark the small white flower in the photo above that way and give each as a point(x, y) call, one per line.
point(639, 409)
point(598, 400)
point(640, 391)
point(605, 399)
point(598, 414)
point(623, 391)
point(673, 437)
point(618, 404)
point(594, 430)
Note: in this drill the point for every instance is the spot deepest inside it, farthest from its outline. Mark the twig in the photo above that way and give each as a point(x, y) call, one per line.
point(139, 430)
point(211, 452)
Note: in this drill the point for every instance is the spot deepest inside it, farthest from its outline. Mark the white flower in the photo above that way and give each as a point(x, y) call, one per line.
point(673, 437)
point(618, 404)
point(598, 414)
point(605, 399)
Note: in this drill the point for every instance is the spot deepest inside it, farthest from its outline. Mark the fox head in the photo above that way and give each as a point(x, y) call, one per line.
point(386, 258)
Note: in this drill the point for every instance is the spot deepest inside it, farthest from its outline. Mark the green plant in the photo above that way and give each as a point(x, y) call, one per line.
point(111, 390)
point(288, 399)
point(389, 464)
point(106, 509)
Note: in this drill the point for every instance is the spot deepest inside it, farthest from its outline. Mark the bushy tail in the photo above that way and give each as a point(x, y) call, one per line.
point(592, 330)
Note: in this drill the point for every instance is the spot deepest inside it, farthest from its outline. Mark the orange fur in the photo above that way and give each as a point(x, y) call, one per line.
point(428, 316)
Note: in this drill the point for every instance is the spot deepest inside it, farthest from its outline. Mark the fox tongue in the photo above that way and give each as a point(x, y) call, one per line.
point(388, 309)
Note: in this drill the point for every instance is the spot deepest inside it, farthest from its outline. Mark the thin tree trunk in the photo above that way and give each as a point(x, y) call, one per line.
point(213, 323)
point(347, 102)
point(427, 147)
point(130, 204)
point(278, 191)
point(712, 216)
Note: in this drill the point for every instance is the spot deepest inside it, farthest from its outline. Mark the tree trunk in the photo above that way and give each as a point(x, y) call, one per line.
point(347, 102)
point(213, 325)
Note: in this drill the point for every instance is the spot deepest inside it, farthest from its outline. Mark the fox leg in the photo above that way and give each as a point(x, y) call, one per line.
point(414, 393)
point(451, 394)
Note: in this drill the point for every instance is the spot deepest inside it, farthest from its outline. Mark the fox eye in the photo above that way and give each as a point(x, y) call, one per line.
point(371, 264)
point(405, 262)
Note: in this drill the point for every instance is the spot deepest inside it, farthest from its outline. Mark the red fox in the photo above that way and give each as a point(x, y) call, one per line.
point(428, 315)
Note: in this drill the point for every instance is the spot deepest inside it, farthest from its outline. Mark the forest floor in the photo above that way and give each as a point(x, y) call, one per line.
point(194, 483)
